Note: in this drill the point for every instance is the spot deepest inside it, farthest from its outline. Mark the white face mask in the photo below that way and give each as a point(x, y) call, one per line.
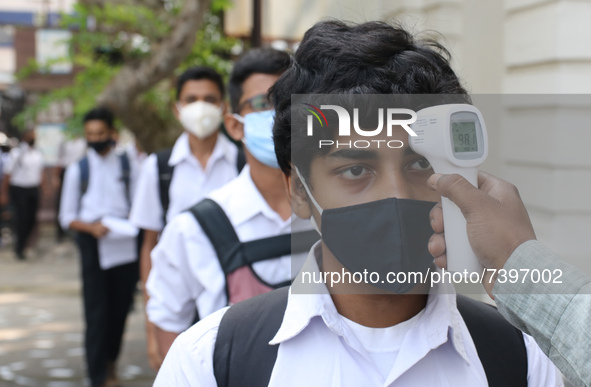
point(200, 118)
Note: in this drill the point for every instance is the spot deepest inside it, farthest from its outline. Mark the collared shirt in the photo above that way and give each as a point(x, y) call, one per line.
point(25, 166)
point(190, 182)
point(557, 314)
point(105, 195)
point(318, 348)
point(186, 274)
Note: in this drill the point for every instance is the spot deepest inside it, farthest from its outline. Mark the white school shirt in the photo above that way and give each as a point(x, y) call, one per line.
point(25, 166)
point(186, 274)
point(105, 195)
point(318, 348)
point(190, 182)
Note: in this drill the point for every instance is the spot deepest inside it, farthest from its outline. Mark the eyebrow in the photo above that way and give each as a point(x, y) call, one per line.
point(364, 154)
point(356, 154)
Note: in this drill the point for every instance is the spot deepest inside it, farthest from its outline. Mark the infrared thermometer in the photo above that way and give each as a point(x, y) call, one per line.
point(453, 139)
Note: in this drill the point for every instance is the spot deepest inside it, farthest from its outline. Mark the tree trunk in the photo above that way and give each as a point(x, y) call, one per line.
point(121, 95)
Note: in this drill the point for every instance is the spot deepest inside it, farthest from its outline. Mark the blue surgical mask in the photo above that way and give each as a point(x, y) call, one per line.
point(258, 136)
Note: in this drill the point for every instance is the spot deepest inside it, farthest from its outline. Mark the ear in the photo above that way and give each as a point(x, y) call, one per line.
point(300, 204)
point(234, 127)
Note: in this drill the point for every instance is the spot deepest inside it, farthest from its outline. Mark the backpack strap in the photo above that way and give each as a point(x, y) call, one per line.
point(84, 175)
point(220, 232)
point(234, 254)
point(242, 355)
point(500, 345)
point(240, 159)
point(165, 172)
point(126, 175)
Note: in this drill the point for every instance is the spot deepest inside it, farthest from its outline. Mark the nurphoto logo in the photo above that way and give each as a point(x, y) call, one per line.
point(344, 122)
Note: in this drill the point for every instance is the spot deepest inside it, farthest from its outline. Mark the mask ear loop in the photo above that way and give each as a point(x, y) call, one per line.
point(238, 117)
point(312, 220)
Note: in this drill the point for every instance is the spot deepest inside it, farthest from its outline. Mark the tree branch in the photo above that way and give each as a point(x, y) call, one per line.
point(131, 81)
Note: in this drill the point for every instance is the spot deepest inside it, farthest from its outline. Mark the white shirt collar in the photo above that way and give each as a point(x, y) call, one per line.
point(181, 150)
point(440, 322)
point(250, 202)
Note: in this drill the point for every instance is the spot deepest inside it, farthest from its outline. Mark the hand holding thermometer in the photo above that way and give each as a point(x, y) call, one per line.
point(453, 139)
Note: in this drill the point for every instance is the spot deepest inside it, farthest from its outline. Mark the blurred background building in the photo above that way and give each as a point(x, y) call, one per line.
point(29, 30)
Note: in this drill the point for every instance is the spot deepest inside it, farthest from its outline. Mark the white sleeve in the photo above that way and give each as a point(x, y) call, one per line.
point(541, 372)
point(146, 209)
point(70, 200)
point(173, 285)
point(189, 361)
point(11, 161)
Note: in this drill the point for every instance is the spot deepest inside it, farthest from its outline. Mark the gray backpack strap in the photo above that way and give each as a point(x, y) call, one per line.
point(126, 175)
point(165, 172)
point(240, 159)
point(84, 175)
point(242, 355)
point(500, 345)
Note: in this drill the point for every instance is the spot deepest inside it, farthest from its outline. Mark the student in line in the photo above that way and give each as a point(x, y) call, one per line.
point(358, 334)
point(21, 184)
point(201, 160)
point(95, 188)
point(187, 276)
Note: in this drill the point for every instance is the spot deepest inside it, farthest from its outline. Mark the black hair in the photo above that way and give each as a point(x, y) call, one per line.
point(335, 57)
point(101, 114)
point(258, 60)
point(197, 73)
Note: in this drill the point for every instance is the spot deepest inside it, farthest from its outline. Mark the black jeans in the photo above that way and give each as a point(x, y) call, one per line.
point(107, 299)
point(26, 204)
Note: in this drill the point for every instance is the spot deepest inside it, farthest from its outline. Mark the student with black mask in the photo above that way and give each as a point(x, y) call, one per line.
point(96, 188)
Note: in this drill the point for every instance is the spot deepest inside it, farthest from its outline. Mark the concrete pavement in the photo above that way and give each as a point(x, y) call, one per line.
point(41, 322)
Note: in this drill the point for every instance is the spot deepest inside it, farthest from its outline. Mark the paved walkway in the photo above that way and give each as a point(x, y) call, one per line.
point(41, 341)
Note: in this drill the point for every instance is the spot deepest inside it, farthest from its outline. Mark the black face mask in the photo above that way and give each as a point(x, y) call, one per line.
point(100, 146)
point(385, 236)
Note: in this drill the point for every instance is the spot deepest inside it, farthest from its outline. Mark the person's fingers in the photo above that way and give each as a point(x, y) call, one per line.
point(437, 245)
point(459, 190)
point(441, 261)
point(436, 217)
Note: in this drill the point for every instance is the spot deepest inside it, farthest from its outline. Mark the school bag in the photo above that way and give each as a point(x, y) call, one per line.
point(165, 172)
point(236, 258)
point(85, 175)
point(243, 357)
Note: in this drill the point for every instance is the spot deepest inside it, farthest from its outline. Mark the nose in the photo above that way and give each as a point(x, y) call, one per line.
point(395, 184)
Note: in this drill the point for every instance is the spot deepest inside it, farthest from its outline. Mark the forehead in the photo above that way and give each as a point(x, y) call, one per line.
point(383, 147)
point(95, 126)
point(199, 87)
point(257, 84)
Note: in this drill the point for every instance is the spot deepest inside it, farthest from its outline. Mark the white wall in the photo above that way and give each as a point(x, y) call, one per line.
point(499, 47)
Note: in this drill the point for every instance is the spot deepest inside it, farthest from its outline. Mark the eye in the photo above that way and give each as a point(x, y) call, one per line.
point(421, 165)
point(354, 172)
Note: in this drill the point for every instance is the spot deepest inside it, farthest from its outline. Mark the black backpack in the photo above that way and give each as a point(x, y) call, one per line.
point(234, 254)
point(166, 171)
point(85, 175)
point(243, 357)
